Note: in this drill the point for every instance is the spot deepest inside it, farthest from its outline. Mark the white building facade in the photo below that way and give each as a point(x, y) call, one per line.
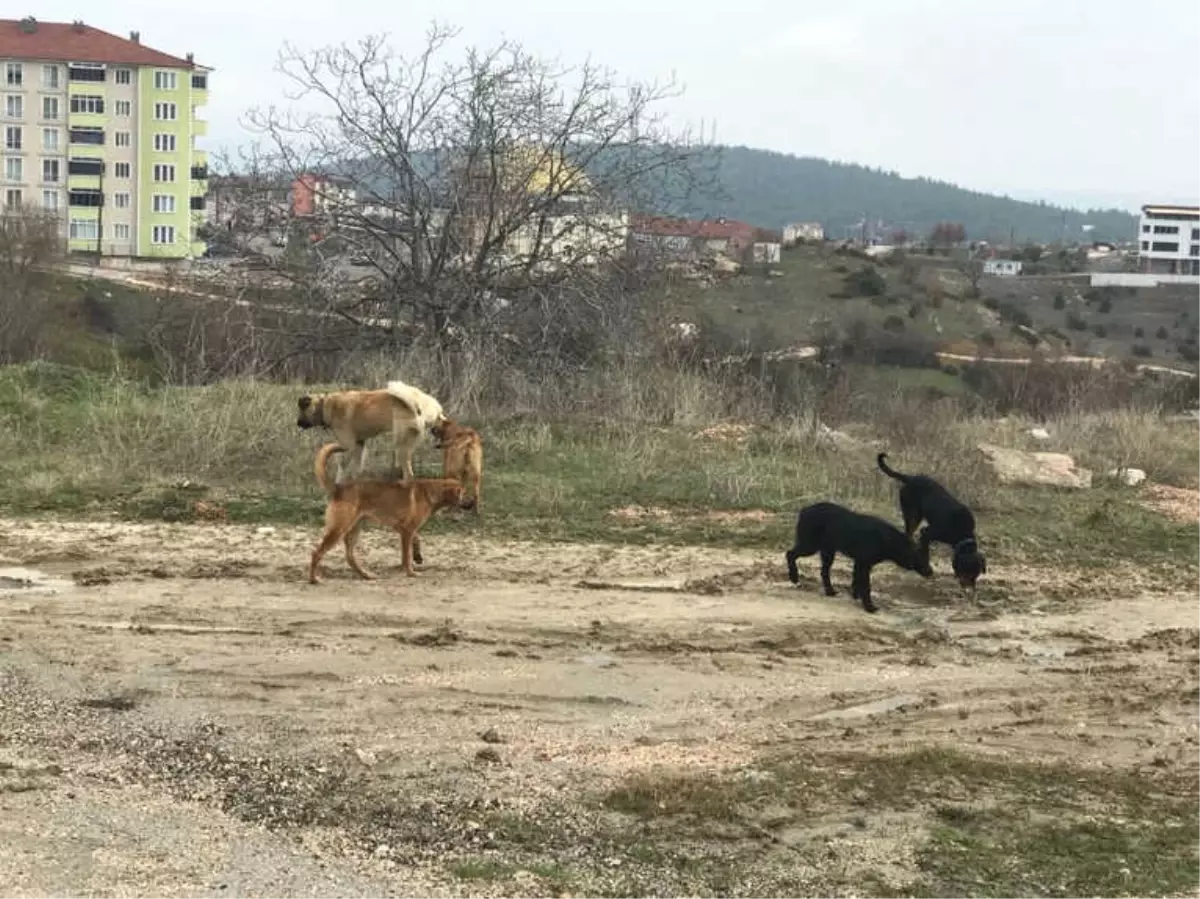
point(1169, 240)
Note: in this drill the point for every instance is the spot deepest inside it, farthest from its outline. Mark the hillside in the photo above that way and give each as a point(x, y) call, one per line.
point(925, 302)
point(771, 189)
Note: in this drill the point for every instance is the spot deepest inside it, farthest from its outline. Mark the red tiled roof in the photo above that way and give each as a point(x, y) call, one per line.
point(708, 229)
point(65, 42)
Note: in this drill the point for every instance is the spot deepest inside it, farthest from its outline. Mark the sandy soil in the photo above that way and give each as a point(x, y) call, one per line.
point(180, 712)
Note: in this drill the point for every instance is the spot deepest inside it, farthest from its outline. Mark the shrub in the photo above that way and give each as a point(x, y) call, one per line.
point(987, 339)
point(1142, 351)
point(1162, 333)
point(1139, 331)
point(1060, 301)
point(894, 324)
point(866, 282)
point(1106, 305)
point(1188, 352)
point(1076, 322)
point(1099, 330)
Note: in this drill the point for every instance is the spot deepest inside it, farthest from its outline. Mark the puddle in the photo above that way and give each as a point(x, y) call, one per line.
point(18, 581)
point(877, 707)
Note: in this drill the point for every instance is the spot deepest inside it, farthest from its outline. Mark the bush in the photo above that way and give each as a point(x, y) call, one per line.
point(1162, 333)
point(1076, 322)
point(992, 303)
point(1139, 332)
point(1099, 330)
point(915, 308)
point(1188, 352)
point(987, 339)
point(894, 324)
point(1142, 351)
point(1106, 305)
point(1060, 301)
point(866, 282)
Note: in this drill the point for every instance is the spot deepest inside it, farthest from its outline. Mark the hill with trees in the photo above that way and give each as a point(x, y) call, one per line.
point(770, 189)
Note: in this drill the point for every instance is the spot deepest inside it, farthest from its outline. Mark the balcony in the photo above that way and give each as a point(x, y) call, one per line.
point(199, 126)
point(84, 198)
point(81, 165)
point(200, 173)
point(83, 73)
point(88, 135)
point(197, 204)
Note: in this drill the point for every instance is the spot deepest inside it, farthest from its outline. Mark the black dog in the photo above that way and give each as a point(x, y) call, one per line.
point(830, 529)
point(949, 521)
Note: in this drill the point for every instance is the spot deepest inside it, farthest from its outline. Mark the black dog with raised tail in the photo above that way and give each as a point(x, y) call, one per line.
point(948, 520)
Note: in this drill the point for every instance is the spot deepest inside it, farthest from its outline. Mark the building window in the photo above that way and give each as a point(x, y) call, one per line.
point(199, 82)
point(121, 200)
point(84, 229)
point(86, 71)
point(13, 137)
point(12, 198)
point(50, 77)
point(1196, 234)
point(162, 234)
point(199, 172)
point(164, 143)
point(121, 139)
point(49, 138)
point(1194, 249)
point(85, 165)
point(1145, 229)
point(162, 203)
point(85, 197)
point(1145, 246)
point(87, 103)
point(196, 204)
point(122, 169)
point(122, 76)
point(1161, 246)
point(50, 199)
point(14, 75)
point(51, 171)
point(166, 112)
point(14, 106)
point(50, 109)
point(121, 231)
point(1166, 229)
point(14, 168)
point(122, 107)
point(165, 81)
point(164, 173)
point(94, 136)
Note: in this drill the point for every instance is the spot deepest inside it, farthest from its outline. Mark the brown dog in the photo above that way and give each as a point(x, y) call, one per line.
point(462, 455)
point(355, 416)
point(402, 505)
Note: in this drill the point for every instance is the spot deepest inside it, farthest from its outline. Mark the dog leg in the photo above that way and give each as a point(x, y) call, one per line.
point(478, 494)
point(329, 539)
point(416, 554)
point(351, 542)
point(793, 571)
point(406, 538)
point(827, 557)
point(862, 586)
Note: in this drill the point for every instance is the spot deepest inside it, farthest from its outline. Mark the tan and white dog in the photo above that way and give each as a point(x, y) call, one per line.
point(355, 416)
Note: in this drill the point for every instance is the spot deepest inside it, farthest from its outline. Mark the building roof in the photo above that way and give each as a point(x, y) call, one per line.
point(1170, 209)
point(708, 229)
point(76, 42)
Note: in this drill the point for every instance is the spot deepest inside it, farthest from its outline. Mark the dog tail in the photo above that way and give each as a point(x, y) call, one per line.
point(321, 463)
point(890, 472)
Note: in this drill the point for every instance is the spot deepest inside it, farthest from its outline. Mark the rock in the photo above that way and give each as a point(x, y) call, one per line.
point(1013, 466)
point(366, 757)
point(491, 735)
point(1039, 433)
point(1130, 477)
point(488, 754)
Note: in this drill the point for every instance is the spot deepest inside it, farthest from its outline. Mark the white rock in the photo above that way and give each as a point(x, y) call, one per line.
point(1013, 466)
point(1039, 433)
point(1130, 477)
point(265, 531)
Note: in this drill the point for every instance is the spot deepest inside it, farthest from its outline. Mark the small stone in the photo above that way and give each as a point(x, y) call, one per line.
point(491, 735)
point(367, 758)
point(488, 754)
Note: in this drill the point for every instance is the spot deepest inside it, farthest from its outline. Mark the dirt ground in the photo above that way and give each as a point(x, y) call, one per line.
point(182, 714)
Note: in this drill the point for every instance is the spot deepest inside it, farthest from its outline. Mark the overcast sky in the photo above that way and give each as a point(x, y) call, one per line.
point(1076, 101)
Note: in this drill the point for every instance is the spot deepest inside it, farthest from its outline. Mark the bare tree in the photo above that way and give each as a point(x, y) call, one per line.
point(479, 190)
point(30, 242)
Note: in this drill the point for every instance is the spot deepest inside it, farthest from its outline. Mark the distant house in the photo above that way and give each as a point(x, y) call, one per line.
point(321, 194)
point(767, 245)
point(1005, 268)
point(1170, 240)
point(687, 238)
point(798, 231)
point(237, 202)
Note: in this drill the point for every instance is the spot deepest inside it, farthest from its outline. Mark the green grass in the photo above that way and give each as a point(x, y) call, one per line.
point(79, 443)
point(1026, 829)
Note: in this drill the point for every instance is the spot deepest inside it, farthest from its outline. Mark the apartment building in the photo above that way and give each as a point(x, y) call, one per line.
point(102, 130)
point(1169, 240)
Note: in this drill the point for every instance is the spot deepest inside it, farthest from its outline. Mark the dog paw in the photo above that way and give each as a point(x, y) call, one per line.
point(831, 593)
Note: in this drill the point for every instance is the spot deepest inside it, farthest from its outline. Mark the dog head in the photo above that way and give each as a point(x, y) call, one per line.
point(449, 492)
point(310, 415)
point(968, 563)
point(443, 431)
